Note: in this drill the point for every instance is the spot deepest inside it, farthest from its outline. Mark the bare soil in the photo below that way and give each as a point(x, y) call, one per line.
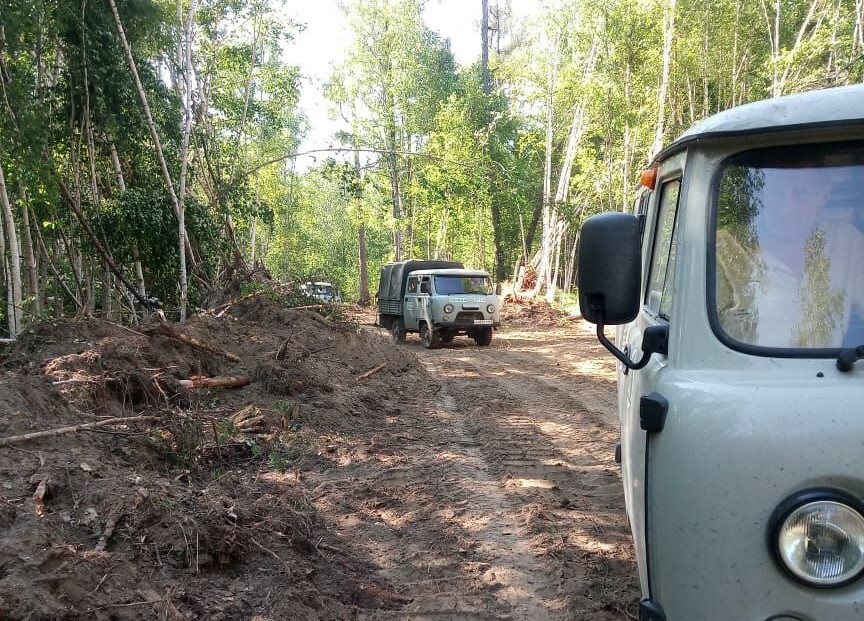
point(352, 478)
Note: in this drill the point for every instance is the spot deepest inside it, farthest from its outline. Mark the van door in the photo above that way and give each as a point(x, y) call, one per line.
point(659, 254)
point(410, 302)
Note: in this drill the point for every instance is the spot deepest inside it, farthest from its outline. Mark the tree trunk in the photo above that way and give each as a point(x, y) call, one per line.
point(668, 40)
point(30, 260)
point(484, 50)
point(15, 318)
point(184, 245)
point(393, 170)
point(364, 267)
point(184, 151)
point(364, 297)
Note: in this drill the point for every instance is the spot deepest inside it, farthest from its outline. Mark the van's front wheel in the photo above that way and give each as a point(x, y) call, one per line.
point(430, 338)
point(483, 336)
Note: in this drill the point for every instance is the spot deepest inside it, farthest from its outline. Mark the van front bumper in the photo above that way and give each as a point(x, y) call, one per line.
point(467, 324)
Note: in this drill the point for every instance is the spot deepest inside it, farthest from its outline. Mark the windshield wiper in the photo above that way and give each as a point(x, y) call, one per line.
point(847, 358)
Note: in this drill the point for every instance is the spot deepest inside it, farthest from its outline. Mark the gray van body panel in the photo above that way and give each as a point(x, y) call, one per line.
point(743, 433)
point(391, 286)
point(821, 109)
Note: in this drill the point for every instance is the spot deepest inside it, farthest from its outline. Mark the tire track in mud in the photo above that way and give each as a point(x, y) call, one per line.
point(547, 431)
point(497, 497)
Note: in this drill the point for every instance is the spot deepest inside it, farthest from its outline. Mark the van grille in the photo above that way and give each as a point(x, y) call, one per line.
point(467, 319)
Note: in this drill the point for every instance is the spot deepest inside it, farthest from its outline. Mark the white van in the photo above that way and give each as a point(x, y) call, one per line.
point(737, 285)
point(322, 291)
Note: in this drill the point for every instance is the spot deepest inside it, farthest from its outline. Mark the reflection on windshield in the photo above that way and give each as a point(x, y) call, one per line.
point(790, 248)
point(447, 285)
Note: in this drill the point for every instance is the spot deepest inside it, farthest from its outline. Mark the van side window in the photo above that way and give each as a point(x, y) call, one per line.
point(640, 210)
point(412, 285)
point(661, 282)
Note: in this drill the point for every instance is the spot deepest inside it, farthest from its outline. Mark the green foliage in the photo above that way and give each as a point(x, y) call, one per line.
point(449, 170)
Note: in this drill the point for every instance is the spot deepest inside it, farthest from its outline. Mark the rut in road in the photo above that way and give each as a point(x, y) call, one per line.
point(494, 495)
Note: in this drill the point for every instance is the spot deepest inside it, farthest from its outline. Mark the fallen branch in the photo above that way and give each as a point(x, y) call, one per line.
point(371, 371)
point(272, 553)
point(122, 327)
point(163, 329)
point(125, 420)
point(75, 380)
point(224, 381)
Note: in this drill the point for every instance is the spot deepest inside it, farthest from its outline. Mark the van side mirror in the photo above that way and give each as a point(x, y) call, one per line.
point(424, 287)
point(610, 279)
point(610, 268)
point(498, 289)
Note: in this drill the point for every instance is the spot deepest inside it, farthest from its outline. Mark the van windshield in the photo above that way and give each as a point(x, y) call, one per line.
point(449, 285)
point(789, 247)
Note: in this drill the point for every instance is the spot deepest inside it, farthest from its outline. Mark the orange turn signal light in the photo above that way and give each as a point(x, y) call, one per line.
point(649, 178)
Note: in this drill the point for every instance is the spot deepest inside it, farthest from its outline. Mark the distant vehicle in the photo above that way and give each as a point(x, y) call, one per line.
point(737, 285)
point(438, 299)
point(323, 291)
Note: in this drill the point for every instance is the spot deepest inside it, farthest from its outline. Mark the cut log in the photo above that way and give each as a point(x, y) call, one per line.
point(250, 411)
point(223, 381)
point(249, 423)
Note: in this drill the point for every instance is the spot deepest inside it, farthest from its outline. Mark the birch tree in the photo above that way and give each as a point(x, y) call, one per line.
point(13, 256)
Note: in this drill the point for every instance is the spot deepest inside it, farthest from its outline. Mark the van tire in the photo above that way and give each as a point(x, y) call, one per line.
point(397, 331)
point(483, 337)
point(430, 338)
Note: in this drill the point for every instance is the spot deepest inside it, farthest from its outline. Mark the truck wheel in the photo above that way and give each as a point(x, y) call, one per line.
point(430, 338)
point(397, 331)
point(483, 337)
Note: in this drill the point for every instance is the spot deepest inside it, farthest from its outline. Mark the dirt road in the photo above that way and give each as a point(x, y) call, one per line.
point(376, 481)
point(492, 493)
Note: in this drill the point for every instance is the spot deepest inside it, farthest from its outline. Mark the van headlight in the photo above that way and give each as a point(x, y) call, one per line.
point(819, 537)
point(490, 308)
point(448, 308)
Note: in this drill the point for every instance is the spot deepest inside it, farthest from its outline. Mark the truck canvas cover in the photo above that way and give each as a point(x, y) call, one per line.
point(395, 275)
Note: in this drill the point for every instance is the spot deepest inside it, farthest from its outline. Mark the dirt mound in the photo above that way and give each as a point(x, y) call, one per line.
point(531, 312)
point(192, 506)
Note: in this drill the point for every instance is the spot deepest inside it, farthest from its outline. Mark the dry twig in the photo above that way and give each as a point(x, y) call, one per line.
point(371, 371)
point(123, 420)
point(271, 553)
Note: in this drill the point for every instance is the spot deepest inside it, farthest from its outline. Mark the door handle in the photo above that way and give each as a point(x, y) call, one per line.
point(626, 354)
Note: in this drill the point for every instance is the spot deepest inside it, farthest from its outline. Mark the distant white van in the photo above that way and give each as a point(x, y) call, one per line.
point(737, 285)
point(323, 291)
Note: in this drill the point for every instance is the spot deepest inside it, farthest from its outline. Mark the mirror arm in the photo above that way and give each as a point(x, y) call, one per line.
point(635, 366)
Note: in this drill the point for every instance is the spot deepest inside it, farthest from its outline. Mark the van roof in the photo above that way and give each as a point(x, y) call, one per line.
point(450, 272)
point(843, 105)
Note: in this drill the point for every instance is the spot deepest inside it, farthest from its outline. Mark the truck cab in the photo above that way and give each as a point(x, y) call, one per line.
point(439, 300)
point(736, 286)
